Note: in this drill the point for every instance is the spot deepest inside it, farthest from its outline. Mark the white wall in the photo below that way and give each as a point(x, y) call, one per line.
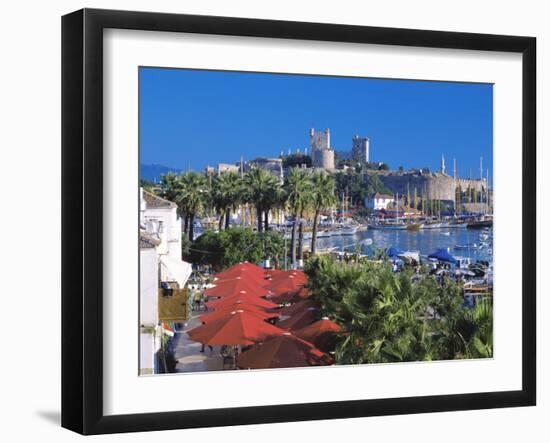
point(30, 140)
point(171, 230)
point(148, 287)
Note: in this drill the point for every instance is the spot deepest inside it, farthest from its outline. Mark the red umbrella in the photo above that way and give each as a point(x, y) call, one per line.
point(287, 281)
point(238, 328)
point(273, 273)
point(257, 311)
point(299, 320)
point(285, 287)
point(245, 299)
point(236, 286)
point(289, 297)
point(248, 276)
point(249, 270)
point(321, 333)
point(284, 351)
point(300, 306)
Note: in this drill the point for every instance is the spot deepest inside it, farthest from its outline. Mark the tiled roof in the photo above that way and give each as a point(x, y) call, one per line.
point(154, 201)
point(147, 241)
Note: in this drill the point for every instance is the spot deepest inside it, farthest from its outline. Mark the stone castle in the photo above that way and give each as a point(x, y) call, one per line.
point(323, 154)
point(432, 185)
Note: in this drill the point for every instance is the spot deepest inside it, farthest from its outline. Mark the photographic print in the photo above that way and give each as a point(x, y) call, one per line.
point(293, 220)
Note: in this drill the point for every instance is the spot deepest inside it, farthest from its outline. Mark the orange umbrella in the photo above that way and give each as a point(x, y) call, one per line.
point(299, 320)
point(284, 351)
point(235, 286)
point(245, 299)
point(257, 311)
point(322, 333)
point(238, 328)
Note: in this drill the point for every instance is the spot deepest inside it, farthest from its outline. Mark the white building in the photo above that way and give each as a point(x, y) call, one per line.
point(160, 219)
point(150, 333)
point(379, 201)
point(160, 262)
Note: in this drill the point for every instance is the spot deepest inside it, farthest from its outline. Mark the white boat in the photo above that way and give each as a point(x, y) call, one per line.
point(432, 225)
point(446, 233)
point(324, 234)
point(351, 230)
point(388, 226)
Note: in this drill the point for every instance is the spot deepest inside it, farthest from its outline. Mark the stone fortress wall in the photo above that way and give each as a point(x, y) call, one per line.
point(434, 186)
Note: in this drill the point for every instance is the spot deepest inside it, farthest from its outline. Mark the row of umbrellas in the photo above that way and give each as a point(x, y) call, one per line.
point(248, 301)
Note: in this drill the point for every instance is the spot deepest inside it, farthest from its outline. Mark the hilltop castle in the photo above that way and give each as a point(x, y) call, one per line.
point(323, 155)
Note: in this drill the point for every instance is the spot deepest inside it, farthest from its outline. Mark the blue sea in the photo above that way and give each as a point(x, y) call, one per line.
point(425, 241)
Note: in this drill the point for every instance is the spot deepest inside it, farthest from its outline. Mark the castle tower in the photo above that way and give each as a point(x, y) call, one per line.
point(360, 148)
point(322, 155)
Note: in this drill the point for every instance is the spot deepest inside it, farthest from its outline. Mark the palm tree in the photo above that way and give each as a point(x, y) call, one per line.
point(323, 197)
point(192, 197)
point(386, 317)
point(170, 186)
point(261, 190)
point(275, 198)
point(227, 194)
point(217, 197)
point(233, 190)
point(297, 186)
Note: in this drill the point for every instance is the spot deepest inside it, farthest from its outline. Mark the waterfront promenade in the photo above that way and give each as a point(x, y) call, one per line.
point(187, 352)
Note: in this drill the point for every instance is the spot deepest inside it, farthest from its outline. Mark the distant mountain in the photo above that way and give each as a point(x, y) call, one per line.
point(153, 172)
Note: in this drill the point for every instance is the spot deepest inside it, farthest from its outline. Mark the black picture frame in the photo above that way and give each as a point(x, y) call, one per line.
point(82, 231)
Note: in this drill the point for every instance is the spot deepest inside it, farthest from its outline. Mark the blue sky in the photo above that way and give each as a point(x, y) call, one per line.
point(195, 118)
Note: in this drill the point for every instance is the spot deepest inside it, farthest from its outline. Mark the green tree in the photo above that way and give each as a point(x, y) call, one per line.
point(227, 194)
point(323, 197)
point(298, 192)
point(148, 185)
point(170, 186)
point(296, 159)
point(388, 317)
point(262, 189)
point(192, 197)
point(225, 248)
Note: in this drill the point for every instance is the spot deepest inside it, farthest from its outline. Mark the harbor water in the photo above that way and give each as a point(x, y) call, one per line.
point(473, 243)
